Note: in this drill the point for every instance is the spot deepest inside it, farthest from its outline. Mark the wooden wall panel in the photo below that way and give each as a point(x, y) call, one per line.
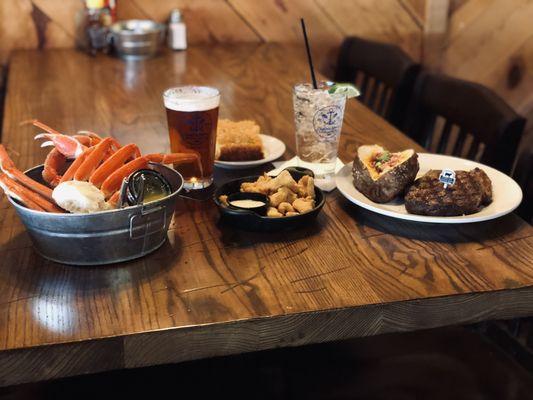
point(51, 23)
point(278, 20)
point(17, 29)
point(207, 20)
point(417, 8)
point(472, 49)
point(387, 21)
point(491, 42)
point(59, 18)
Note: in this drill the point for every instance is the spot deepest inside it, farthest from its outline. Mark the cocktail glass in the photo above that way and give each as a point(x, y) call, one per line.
point(318, 117)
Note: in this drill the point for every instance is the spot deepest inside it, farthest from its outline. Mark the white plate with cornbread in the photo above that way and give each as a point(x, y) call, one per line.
point(240, 145)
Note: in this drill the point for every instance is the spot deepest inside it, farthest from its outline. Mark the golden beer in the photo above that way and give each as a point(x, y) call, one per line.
point(192, 115)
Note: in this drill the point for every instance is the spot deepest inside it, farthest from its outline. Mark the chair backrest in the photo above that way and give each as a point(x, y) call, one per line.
point(465, 119)
point(384, 74)
point(523, 174)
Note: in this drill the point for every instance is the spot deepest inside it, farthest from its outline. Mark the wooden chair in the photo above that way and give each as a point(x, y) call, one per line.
point(523, 174)
point(465, 119)
point(384, 74)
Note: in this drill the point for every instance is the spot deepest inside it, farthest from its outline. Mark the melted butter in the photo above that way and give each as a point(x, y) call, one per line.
point(153, 190)
point(247, 203)
point(153, 193)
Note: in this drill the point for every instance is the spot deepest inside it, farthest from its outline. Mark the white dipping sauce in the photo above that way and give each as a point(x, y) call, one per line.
point(247, 203)
point(79, 197)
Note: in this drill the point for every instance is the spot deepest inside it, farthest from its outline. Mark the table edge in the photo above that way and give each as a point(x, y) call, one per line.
point(174, 345)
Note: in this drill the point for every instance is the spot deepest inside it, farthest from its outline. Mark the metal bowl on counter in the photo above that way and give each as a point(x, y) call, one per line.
point(103, 237)
point(137, 38)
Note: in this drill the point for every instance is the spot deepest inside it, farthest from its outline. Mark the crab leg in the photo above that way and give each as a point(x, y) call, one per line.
point(71, 171)
point(172, 158)
point(93, 160)
point(39, 124)
point(30, 199)
point(12, 189)
point(113, 200)
point(53, 165)
point(112, 183)
point(94, 138)
point(87, 141)
point(177, 158)
point(8, 167)
point(115, 142)
point(93, 135)
point(113, 163)
point(84, 140)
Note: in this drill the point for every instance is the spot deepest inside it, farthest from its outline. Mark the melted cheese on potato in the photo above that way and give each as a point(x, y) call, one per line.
point(368, 155)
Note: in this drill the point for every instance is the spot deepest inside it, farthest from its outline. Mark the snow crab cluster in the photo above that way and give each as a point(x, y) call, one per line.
point(101, 163)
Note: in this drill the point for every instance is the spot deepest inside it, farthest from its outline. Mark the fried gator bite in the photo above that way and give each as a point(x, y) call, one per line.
point(286, 196)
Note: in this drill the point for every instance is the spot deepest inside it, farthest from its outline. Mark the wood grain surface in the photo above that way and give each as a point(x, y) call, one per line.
point(213, 289)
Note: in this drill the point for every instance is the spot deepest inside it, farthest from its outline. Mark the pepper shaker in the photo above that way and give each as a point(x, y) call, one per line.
point(177, 31)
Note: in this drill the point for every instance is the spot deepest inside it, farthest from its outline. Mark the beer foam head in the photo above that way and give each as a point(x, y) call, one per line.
point(191, 98)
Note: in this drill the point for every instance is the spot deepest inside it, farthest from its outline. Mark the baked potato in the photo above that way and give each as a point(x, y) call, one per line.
point(381, 175)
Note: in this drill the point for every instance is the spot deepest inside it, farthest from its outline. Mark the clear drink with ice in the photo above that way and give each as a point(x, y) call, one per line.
point(318, 117)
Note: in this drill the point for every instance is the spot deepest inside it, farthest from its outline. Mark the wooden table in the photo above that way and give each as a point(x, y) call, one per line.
point(213, 290)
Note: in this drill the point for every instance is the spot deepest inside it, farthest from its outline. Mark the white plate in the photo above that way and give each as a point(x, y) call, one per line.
point(273, 148)
point(506, 193)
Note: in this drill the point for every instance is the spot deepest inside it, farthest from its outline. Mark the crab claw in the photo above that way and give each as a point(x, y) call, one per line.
point(48, 143)
point(66, 145)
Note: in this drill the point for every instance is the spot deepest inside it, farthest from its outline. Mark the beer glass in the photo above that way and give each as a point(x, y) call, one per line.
point(192, 115)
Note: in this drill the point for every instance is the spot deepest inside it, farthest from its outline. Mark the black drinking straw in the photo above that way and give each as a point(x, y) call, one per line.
point(309, 58)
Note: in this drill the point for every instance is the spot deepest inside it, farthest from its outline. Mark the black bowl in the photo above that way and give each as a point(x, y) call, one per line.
point(250, 220)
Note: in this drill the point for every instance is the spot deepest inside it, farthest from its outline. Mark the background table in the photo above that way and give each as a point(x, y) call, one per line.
point(212, 289)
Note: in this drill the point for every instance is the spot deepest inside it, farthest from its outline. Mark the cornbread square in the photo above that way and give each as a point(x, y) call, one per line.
point(238, 141)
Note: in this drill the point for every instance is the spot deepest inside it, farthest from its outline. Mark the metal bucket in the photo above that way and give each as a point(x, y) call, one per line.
point(104, 237)
point(137, 38)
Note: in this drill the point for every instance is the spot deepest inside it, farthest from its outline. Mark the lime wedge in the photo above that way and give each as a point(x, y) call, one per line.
point(346, 89)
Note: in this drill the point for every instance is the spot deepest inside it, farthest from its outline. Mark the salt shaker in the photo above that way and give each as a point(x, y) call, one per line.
point(177, 31)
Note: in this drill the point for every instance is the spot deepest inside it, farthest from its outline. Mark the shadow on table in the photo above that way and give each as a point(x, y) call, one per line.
point(374, 223)
point(234, 236)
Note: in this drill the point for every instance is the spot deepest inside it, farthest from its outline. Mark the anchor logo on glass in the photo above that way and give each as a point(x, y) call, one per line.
point(327, 122)
point(197, 123)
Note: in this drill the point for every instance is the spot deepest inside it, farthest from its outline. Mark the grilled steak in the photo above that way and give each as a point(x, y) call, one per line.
point(485, 184)
point(427, 196)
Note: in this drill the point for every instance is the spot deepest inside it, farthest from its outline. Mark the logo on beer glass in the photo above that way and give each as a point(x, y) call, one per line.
point(327, 122)
point(199, 124)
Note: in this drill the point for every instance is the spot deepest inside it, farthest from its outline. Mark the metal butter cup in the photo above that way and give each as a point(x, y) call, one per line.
point(142, 181)
point(261, 210)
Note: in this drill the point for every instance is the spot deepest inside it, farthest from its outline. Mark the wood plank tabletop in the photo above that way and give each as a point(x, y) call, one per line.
point(213, 289)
